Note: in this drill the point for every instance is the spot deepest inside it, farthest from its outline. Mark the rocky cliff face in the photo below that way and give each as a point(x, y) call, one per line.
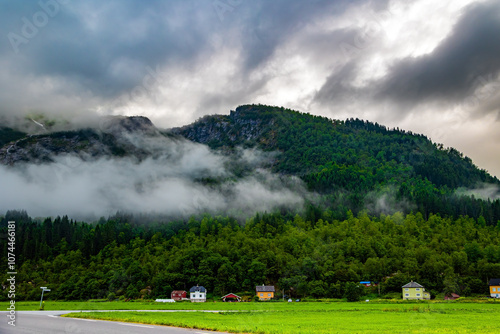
point(116, 136)
point(137, 136)
point(119, 125)
point(240, 127)
point(42, 148)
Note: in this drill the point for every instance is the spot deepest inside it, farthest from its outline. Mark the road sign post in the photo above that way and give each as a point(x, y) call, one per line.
point(44, 288)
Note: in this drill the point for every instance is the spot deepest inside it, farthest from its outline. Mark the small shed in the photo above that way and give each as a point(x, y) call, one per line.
point(178, 295)
point(451, 296)
point(231, 297)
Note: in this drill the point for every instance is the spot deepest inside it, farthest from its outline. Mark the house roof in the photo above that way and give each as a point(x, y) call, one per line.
point(264, 288)
point(412, 285)
point(495, 281)
point(451, 296)
point(197, 289)
point(179, 291)
point(231, 295)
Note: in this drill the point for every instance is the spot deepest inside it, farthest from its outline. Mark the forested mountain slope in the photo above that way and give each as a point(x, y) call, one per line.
point(8, 135)
point(346, 160)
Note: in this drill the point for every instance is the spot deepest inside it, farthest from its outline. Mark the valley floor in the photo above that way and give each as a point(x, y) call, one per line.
point(337, 317)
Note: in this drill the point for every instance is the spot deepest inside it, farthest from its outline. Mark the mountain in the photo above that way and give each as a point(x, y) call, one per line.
point(311, 144)
point(356, 164)
point(352, 165)
point(113, 137)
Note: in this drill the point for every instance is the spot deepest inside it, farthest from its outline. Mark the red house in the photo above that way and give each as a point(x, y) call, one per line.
point(178, 295)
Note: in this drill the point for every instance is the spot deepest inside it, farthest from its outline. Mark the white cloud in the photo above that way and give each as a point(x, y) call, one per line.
point(167, 185)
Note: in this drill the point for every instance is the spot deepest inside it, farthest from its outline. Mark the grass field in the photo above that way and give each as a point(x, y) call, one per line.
point(264, 306)
point(338, 317)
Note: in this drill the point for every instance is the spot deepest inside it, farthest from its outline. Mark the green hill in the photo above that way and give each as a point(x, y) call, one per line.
point(354, 163)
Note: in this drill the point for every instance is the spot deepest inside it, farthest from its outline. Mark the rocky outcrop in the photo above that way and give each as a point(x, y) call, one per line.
point(43, 148)
point(242, 126)
point(116, 136)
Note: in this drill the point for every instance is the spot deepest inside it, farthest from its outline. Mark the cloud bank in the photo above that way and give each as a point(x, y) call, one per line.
point(185, 179)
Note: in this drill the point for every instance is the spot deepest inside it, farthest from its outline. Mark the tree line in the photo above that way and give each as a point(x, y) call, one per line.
point(310, 255)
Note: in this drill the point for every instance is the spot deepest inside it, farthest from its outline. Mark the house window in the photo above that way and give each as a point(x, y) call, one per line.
point(262, 295)
point(269, 295)
point(418, 289)
point(418, 294)
point(406, 289)
point(494, 289)
point(407, 295)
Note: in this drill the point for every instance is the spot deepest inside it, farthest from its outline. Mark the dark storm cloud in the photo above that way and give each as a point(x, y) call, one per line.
point(463, 62)
point(106, 47)
point(452, 70)
point(273, 22)
point(338, 88)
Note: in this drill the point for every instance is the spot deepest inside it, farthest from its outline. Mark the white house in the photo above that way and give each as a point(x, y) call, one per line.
point(198, 294)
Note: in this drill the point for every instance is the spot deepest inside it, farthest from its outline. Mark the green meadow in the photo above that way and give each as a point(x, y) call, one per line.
point(334, 317)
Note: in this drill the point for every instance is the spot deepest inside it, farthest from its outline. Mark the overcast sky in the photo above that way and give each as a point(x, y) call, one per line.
point(427, 66)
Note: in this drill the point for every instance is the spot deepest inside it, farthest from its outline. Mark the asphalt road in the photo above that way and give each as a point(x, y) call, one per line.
point(46, 322)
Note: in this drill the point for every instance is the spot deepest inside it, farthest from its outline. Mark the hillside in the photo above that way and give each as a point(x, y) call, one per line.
point(311, 144)
point(345, 165)
point(8, 135)
point(115, 137)
point(354, 163)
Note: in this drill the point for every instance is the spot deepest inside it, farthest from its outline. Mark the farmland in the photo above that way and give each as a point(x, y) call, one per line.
point(335, 317)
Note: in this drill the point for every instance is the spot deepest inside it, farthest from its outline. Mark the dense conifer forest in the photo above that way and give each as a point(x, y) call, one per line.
point(313, 256)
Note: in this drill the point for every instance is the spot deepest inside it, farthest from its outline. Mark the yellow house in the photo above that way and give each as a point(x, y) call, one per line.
point(264, 292)
point(495, 287)
point(413, 290)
